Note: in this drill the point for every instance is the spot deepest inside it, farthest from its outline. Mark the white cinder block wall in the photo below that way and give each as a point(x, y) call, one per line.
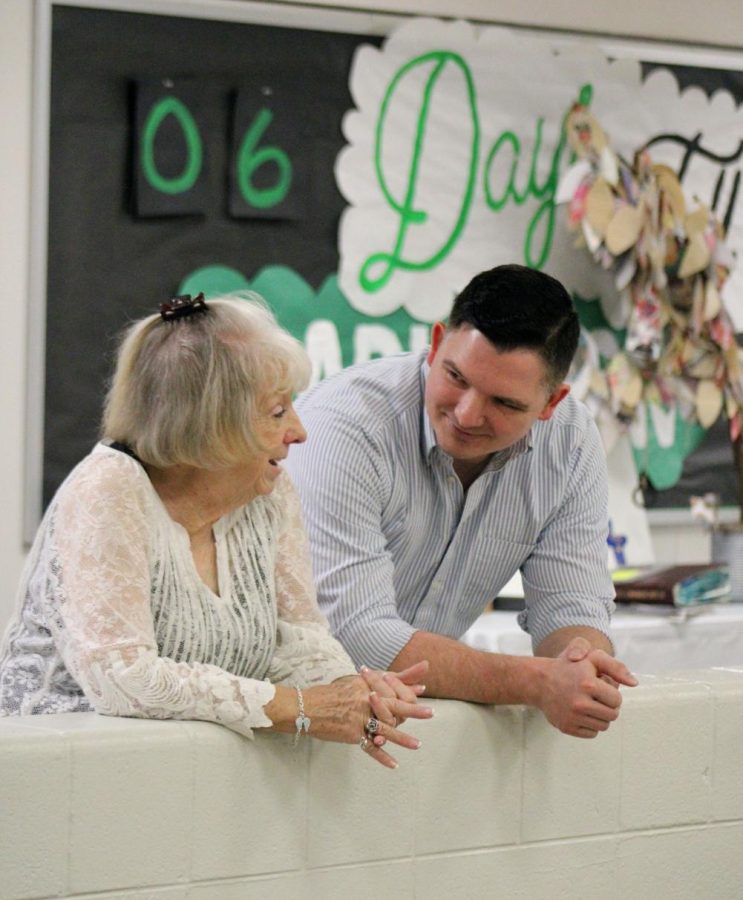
point(495, 804)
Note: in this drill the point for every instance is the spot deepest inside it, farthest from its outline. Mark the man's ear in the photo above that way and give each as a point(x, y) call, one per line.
point(437, 336)
point(559, 394)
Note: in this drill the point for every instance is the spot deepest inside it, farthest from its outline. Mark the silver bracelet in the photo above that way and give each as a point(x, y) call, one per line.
point(302, 721)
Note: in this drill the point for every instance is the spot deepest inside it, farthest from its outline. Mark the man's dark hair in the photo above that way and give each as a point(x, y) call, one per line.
point(518, 308)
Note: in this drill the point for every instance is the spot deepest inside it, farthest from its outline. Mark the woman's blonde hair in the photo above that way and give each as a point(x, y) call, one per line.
point(190, 390)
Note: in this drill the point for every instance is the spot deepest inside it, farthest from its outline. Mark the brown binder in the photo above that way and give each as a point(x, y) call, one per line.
point(684, 585)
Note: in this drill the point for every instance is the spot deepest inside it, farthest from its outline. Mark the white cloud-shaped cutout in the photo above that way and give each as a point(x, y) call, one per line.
point(453, 158)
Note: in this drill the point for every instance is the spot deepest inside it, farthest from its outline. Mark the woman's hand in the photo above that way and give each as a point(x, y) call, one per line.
point(399, 691)
point(341, 711)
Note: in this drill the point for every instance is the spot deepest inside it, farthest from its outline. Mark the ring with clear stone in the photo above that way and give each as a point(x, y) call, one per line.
point(372, 726)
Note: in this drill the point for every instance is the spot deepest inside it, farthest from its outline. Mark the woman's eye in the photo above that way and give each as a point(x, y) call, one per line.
point(278, 412)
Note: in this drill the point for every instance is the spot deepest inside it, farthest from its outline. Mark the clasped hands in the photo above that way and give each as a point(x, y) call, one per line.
point(580, 695)
point(387, 697)
point(393, 698)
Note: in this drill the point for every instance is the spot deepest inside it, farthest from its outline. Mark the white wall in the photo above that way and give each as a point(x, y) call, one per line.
point(720, 24)
point(496, 803)
point(15, 195)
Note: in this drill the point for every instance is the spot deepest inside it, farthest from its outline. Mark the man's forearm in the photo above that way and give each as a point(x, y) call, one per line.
point(460, 672)
point(578, 690)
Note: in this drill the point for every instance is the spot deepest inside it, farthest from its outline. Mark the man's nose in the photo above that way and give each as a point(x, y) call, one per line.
point(470, 411)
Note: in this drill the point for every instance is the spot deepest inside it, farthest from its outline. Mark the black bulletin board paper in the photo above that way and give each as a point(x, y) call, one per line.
point(110, 262)
point(106, 263)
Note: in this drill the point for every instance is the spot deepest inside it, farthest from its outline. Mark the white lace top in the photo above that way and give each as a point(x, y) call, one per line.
point(113, 616)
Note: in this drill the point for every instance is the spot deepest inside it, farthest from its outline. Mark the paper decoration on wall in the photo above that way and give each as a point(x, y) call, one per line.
point(660, 439)
point(670, 262)
point(170, 160)
point(455, 150)
point(270, 159)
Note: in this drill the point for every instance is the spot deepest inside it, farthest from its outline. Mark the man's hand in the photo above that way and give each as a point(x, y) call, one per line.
point(580, 694)
point(574, 679)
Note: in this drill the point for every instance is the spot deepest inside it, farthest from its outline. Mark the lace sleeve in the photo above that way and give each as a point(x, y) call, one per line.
point(97, 599)
point(306, 652)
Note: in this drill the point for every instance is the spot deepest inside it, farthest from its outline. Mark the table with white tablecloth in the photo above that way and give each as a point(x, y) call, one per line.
point(645, 639)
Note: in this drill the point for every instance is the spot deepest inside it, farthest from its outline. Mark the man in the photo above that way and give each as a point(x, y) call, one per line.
point(427, 481)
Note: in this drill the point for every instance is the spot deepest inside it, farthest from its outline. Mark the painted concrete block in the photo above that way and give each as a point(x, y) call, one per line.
point(249, 802)
point(131, 807)
point(34, 810)
point(571, 785)
point(80, 723)
point(391, 880)
point(667, 735)
point(540, 872)
point(182, 892)
point(468, 777)
point(358, 810)
point(683, 865)
point(727, 759)
point(277, 887)
point(726, 686)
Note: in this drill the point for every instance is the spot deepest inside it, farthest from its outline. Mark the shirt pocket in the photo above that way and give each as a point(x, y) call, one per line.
point(493, 565)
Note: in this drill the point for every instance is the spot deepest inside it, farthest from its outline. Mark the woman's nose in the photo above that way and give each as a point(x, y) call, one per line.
point(295, 434)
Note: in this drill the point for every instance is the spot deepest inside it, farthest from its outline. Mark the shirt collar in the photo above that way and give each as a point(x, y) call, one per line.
point(428, 435)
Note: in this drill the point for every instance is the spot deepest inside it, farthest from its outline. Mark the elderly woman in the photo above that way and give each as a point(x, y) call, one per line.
point(170, 576)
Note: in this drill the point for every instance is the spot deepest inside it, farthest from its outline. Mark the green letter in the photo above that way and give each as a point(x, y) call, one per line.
point(385, 264)
point(546, 193)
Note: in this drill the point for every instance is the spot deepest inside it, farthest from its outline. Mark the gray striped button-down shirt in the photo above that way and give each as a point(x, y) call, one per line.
point(398, 546)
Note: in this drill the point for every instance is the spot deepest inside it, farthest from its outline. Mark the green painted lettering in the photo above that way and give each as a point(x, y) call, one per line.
point(171, 106)
point(535, 254)
point(379, 267)
point(249, 159)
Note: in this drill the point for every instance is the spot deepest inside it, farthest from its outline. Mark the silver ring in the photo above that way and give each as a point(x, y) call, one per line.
point(364, 743)
point(372, 726)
